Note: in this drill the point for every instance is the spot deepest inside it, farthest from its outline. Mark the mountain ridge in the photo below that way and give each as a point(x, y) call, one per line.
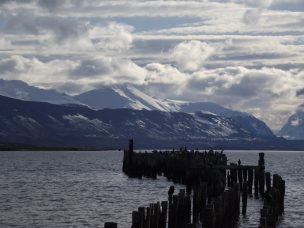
point(294, 127)
point(40, 122)
point(117, 97)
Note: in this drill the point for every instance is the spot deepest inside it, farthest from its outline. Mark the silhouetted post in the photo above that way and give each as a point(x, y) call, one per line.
point(250, 181)
point(240, 177)
point(141, 211)
point(187, 209)
point(261, 174)
point(245, 174)
point(268, 181)
point(135, 220)
point(170, 193)
point(110, 225)
point(256, 183)
point(261, 159)
point(131, 145)
point(244, 197)
point(195, 209)
point(164, 206)
point(127, 159)
point(228, 179)
point(209, 216)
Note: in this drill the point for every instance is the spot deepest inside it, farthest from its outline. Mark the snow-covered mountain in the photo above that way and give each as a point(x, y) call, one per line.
point(131, 97)
point(117, 97)
point(124, 97)
point(49, 124)
point(294, 128)
point(21, 90)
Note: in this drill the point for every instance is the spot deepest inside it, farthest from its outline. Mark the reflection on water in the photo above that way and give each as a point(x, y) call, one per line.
point(68, 189)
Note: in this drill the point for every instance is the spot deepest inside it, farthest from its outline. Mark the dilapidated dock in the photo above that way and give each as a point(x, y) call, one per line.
point(215, 192)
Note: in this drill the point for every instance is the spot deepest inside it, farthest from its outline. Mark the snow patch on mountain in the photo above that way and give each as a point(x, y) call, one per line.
point(21, 90)
point(85, 123)
point(294, 128)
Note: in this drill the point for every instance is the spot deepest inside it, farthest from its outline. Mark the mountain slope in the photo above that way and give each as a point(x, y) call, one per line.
point(122, 97)
point(48, 124)
point(131, 97)
point(294, 128)
point(21, 90)
point(117, 97)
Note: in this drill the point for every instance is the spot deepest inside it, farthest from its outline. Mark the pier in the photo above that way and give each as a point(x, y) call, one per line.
point(215, 193)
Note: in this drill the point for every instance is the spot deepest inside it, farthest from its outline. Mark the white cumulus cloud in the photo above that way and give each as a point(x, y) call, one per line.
point(191, 55)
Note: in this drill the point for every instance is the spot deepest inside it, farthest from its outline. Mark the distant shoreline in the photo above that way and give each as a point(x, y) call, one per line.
point(30, 147)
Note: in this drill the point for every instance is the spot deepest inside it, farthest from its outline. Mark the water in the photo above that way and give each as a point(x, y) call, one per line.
point(86, 189)
point(290, 165)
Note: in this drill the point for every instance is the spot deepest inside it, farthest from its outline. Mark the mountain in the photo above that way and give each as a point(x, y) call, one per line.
point(42, 123)
point(117, 97)
point(123, 97)
point(21, 90)
point(131, 97)
point(294, 128)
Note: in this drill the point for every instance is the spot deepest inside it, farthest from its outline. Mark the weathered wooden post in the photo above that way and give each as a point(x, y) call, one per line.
point(245, 174)
point(142, 215)
point(240, 176)
point(268, 181)
point(229, 179)
point(250, 181)
point(244, 197)
point(261, 174)
point(170, 193)
point(110, 225)
point(128, 158)
point(256, 182)
point(209, 216)
point(135, 220)
point(195, 209)
point(164, 206)
point(188, 209)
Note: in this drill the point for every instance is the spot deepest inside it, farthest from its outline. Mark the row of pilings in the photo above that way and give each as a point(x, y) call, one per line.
point(214, 192)
point(183, 210)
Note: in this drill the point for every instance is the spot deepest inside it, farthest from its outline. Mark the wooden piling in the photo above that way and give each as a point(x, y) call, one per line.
point(268, 181)
point(250, 181)
point(261, 174)
point(256, 182)
point(110, 225)
point(205, 175)
point(244, 197)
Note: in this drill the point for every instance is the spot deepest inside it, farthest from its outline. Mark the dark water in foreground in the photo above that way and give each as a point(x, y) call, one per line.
point(85, 189)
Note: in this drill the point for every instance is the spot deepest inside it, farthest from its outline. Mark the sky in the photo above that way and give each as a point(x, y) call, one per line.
point(244, 54)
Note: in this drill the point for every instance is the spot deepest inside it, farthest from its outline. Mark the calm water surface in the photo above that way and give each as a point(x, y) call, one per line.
point(86, 189)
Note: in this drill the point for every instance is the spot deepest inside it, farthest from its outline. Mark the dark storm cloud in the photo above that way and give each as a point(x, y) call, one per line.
point(51, 4)
point(300, 92)
point(62, 28)
point(8, 65)
point(249, 86)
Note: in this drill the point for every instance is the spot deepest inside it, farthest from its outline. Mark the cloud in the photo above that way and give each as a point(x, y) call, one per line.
point(191, 55)
point(252, 16)
point(51, 4)
point(61, 29)
point(268, 93)
point(231, 50)
point(300, 92)
point(114, 36)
